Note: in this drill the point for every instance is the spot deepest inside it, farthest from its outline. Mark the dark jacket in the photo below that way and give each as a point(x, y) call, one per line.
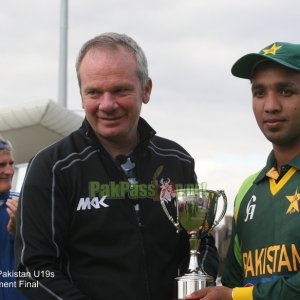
point(78, 226)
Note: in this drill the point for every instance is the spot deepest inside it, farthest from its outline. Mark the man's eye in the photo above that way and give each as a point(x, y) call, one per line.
point(258, 93)
point(286, 92)
point(92, 92)
point(121, 91)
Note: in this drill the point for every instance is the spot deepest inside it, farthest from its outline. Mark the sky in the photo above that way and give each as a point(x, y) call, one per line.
point(190, 46)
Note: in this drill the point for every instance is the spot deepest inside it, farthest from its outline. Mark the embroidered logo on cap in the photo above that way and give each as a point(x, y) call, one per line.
point(272, 50)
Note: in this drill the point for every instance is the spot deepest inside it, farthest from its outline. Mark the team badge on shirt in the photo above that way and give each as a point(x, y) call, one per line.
point(250, 208)
point(294, 205)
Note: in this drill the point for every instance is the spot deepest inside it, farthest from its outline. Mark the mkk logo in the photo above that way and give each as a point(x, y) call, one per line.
point(250, 209)
point(87, 203)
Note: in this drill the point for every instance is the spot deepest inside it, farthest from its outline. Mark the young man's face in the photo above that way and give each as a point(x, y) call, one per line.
point(276, 103)
point(112, 94)
point(6, 171)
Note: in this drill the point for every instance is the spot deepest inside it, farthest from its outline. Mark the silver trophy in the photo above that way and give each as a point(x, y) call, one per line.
point(196, 213)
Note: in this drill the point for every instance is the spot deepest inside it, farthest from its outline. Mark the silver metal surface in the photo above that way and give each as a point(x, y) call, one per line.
point(196, 213)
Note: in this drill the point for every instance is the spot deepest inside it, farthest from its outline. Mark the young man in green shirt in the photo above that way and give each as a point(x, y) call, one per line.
point(263, 261)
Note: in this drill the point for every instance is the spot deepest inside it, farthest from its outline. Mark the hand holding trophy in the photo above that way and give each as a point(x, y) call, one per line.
point(196, 212)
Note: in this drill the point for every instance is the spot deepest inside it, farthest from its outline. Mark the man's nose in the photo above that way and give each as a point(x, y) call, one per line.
point(272, 102)
point(108, 102)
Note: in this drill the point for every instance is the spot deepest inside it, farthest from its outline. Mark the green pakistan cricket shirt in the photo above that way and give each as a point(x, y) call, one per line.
point(266, 234)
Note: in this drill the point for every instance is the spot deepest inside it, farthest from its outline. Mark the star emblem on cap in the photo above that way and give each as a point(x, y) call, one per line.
point(272, 50)
point(294, 206)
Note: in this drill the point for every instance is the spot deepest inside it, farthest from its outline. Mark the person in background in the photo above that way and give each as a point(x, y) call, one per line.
point(8, 208)
point(263, 261)
point(90, 226)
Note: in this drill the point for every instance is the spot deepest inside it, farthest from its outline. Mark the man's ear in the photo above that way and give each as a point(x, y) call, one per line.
point(82, 104)
point(147, 91)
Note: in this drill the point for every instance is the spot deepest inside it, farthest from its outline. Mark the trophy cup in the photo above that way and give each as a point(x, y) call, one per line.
point(196, 212)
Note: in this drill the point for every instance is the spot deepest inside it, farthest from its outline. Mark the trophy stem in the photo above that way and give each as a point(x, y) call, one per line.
point(194, 246)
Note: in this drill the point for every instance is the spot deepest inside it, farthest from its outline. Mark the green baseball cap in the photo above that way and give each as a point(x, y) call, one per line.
point(285, 54)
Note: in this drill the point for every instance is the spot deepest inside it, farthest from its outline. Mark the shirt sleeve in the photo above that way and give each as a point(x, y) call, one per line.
point(209, 257)
point(242, 293)
point(233, 272)
point(42, 227)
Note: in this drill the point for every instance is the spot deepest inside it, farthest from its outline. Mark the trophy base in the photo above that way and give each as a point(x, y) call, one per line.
point(192, 282)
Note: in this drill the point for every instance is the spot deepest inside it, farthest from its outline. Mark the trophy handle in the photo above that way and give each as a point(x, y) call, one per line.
point(176, 224)
point(223, 212)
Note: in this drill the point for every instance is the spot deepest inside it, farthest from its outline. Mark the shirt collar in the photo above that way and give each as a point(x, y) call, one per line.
point(271, 163)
